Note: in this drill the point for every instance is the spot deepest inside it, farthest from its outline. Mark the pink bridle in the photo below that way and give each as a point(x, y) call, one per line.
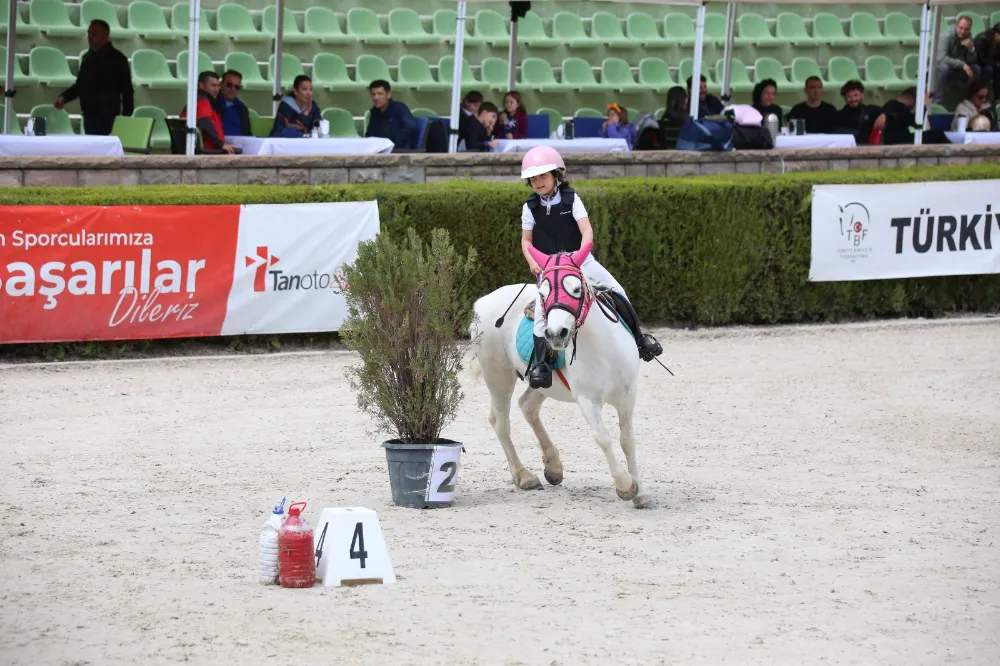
point(563, 284)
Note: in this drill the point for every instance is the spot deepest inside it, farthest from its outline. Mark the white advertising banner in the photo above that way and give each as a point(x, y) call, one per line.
point(874, 232)
point(288, 270)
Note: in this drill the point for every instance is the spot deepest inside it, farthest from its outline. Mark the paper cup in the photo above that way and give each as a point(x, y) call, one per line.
point(324, 128)
point(963, 123)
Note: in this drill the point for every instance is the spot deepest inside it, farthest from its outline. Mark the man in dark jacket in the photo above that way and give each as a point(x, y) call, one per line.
point(820, 116)
point(235, 114)
point(708, 105)
point(856, 117)
point(390, 119)
point(900, 119)
point(956, 58)
point(104, 84)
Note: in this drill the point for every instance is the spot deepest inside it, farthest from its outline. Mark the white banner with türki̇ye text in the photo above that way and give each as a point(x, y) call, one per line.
point(873, 232)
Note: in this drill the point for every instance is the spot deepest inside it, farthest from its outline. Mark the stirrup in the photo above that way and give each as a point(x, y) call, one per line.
point(649, 348)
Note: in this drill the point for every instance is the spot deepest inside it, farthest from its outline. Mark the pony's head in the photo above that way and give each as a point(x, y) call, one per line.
point(566, 297)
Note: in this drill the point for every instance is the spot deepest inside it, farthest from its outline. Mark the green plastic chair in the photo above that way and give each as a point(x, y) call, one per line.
point(686, 70)
point(881, 73)
point(406, 27)
point(911, 68)
point(754, 31)
point(56, 121)
point(444, 25)
point(414, 73)
point(179, 21)
point(147, 20)
point(92, 10)
point(204, 64)
point(150, 70)
point(771, 68)
point(252, 113)
point(679, 29)
point(421, 112)
point(446, 68)
point(567, 28)
point(290, 30)
point(329, 71)
point(785, 110)
point(47, 65)
point(160, 137)
point(641, 28)
point(15, 126)
point(791, 28)
point(490, 28)
point(864, 28)
point(246, 64)
point(607, 29)
point(323, 25)
point(715, 28)
point(493, 72)
point(900, 29)
point(827, 29)
point(840, 70)
point(804, 67)
point(538, 75)
point(659, 112)
point(616, 74)
point(576, 75)
point(364, 24)
point(555, 118)
point(587, 112)
point(23, 28)
point(341, 123)
point(995, 17)
point(370, 68)
point(20, 78)
point(134, 133)
point(291, 67)
point(739, 79)
point(236, 23)
point(261, 127)
point(654, 74)
point(531, 32)
point(52, 19)
point(938, 109)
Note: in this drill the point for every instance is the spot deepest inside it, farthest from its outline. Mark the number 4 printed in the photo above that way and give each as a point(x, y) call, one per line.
point(359, 541)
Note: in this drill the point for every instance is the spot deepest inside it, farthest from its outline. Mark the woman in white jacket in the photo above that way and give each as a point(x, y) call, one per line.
point(977, 100)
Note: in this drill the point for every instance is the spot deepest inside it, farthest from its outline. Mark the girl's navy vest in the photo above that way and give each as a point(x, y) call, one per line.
point(555, 229)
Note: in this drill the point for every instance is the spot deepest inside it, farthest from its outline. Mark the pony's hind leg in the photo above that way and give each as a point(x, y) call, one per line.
point(501, 390)
point(642, 500)
point(625, 486)
point(531, 405)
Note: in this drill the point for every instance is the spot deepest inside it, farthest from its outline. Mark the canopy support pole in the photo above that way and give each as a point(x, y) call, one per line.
point(456, 78)
point(727, 56)
point(9, 83)
point(279, 44)
point(194, 16)
point(699, 44)
point(511, 56)
point(924, 58)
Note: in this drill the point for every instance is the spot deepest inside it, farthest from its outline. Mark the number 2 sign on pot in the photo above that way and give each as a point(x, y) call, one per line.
point(350, 548)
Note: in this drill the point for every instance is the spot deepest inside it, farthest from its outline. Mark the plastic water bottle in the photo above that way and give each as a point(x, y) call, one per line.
point(296, 559)
point(267, 555)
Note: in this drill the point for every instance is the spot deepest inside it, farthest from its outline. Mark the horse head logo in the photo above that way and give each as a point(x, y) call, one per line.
point(854, 219)
point(566, 296)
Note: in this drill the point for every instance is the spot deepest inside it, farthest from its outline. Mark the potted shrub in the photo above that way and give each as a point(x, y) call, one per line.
point(407, 307)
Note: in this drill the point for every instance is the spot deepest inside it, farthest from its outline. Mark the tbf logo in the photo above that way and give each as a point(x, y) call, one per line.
point(262, 261)
point(854, 222)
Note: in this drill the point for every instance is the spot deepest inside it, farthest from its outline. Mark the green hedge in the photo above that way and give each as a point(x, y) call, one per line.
point(701, 250)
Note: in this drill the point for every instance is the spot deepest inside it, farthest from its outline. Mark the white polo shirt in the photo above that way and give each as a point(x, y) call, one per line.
point(528, 220)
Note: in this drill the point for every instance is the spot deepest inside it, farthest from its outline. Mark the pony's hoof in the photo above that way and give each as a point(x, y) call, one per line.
point(528, 481)
point(642, 502)
point(554, 478)
point(630, 493)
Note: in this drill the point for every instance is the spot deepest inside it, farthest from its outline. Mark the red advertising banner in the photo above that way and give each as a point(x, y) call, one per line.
point(112, 273)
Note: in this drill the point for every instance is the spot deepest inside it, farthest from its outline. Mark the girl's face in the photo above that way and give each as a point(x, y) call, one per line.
point(304, 93)
point(544, 183)
point(509, 105)
point(768, 95)
point(613, 117)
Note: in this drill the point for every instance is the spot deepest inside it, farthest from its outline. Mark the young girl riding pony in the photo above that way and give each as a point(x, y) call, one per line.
point(554, 220)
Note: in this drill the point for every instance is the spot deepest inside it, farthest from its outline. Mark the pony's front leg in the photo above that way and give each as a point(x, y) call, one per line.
point(531, 404)
point(499, 418)
point(642, 500)
point(625, 486)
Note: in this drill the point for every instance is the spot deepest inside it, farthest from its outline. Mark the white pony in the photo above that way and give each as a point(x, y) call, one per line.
point(601, 367)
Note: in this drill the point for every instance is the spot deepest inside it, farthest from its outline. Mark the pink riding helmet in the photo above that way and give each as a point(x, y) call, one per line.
point(539, 160)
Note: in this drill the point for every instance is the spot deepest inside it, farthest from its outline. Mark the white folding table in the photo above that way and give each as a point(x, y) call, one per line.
point(60, 145)
point(252, 145)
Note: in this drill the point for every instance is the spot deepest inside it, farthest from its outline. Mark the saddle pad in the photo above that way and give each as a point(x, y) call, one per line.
point(526, 343)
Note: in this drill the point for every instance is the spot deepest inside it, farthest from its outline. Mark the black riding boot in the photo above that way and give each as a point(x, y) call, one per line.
point(540, 375)
point(649, 348)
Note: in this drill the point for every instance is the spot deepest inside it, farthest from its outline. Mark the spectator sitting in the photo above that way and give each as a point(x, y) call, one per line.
point(208, 114)
point(708, 105)
point(764, 94)
point(513, 122)
point(104, 84)
point(956, 58)
point(820, 116)
point(470, 107)
point(900, 119)
point(856, 117)
point(479, 130)
point(674, 117)
point(390, 119)
point(235, 115)
point(988, 51)
point(977, 101)
point(617, 125)
point(297, 114)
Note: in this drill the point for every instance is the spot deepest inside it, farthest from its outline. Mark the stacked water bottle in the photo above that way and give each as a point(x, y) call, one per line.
point(285, 553)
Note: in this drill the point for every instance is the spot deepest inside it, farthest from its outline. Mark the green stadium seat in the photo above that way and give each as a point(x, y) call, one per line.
point(52, 19)
point(715, 28)
point(370, 68)
point(995, 17)
point(160, 138)
point(632, 112)
point(537, 73)
point(607, 29)
point(290, 30)
point(15, 125)
point(291, 67)
point(341, 123)
point(329, 71)
point(659, 112)
point(323, 25)
point(790, 28)
point(911, 65)
point(785, 110)
point(937, 109)
point(236, 23)
point(555, 118)
point(490, 28)
point(414, 73)
point(204, 64)
point(641, 28)
point(261, 126)
point(134, 133)
point(493, 72)
point(150, 70)
point(147, 20)
point(617, 75)
point(48, 66)
point(92, 10)
point(899, 27)
point(827, 29)
point(804, 67)
point(22, 27)
point(654, 74)
point(686, 69)
point(840, 70)
point(587, 112)
point(771, 68)
point(446, 67)
point(421, 112)
point(978, 25)
point(56, 121)
point(179, 21)
point(252, 113)
point(363, 23)
point(444, 25)
point(567, 28)
point(20, 78)
point(531, 31)
point(864, 29)
point(246, 64)
point(739, 80)
point(753, 31)
point(881, 73)
point(679, 29)
point(576, 75)
point(405, 26)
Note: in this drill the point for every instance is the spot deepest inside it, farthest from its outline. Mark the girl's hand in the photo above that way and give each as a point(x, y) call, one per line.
point(509, 135)
point(604, 125)
point(535, 268)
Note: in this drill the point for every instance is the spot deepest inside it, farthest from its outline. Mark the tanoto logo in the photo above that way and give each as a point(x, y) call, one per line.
point(262, 261)
point(854, 222)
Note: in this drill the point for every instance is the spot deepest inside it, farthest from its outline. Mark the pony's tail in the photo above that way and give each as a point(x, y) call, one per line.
point(475, 370)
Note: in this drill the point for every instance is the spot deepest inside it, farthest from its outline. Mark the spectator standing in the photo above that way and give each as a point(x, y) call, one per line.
point(208, 113)
point(235, 114)
point(856, 117)
point(674, 117)
point(820, 116)
point(617, 125)
point(390, 119)
point(297, 114)
point(104, 84)
point(708, 105)
point(977, 101)
point(513, 122)
point(470, 107)
point(479, 129)
point(956, 58)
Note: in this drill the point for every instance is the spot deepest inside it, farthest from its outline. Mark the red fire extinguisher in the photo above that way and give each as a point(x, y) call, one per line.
point(296, 563)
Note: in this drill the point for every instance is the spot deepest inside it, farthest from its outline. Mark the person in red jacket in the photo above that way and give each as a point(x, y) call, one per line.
point(208, 114)
point(513, 122)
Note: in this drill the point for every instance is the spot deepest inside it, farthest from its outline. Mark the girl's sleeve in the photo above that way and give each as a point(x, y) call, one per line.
point(527, 219)
point(579, 210)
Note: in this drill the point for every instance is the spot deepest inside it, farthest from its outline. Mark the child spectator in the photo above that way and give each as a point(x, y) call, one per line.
point(470, 107)
point(513, 122)
point(617, 125)
point(480, 128)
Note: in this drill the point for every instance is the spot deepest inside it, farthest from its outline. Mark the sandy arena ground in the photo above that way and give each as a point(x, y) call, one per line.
point(825, 495)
